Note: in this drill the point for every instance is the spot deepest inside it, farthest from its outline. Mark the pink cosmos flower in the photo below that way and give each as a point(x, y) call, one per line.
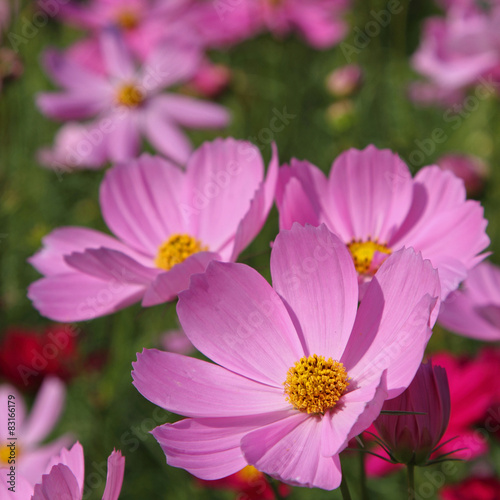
point(474, 309)
point(371, 201)
point(169, 223)
point(31, 458)
point(475, 487)
point(471, 169)
point(412, 439)
point(176, 341)
point(130, 104)
point(277, 348)
point(343, 81)
point(66, 477)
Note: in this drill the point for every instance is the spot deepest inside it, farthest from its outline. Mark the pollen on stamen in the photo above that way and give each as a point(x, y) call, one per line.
point(127, 20)
point(362, 253)
point(177, 249)
point(129, 95)
point(314, 385)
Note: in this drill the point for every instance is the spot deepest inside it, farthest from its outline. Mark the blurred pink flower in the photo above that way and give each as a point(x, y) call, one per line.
point(411, 439)
point(473, 488)
point(344, 81)
point(65, 478)
point(474, 309)
point(210, 79)
point(169, 224)
point(471, 169)
point(177, 341)
point(31, 458)
point(371, 201)
point(130, 104)
point(255, 406)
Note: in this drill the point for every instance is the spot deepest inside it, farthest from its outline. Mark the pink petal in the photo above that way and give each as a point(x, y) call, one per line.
point(117, 58)
point(114, 479)
point(123, 139)
point(23, 491)
point(165, 135)
point(313, 271)
point(60, 484)
point(193, 113)
point(195, 388)
point(109, 265)
point(394, 321)
point(169, 284)
point(70, 105)
point(259, 209)
point(224, 176)
point(209, 448)
point(370, 192)
point(77, 297)
point(233, 316)
point(46, 411)
point(141, 202)
point(7, 390)
point(289, 450)
point(74, 459)
point(66, 240)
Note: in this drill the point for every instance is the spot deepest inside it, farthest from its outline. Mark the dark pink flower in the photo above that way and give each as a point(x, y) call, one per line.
point(169, 223)
point(256, 405)
point(471, 169)
point(473, 488)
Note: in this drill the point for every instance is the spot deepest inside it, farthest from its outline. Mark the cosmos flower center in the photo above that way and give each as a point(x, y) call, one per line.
point(127, 19)
point(314, 385)
point(7, 453)
point(129, 95)
point(176, 250)
point(362, 254)
point(249, 474)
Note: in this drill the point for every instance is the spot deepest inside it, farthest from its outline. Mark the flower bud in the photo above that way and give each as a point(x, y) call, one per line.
point(344, 81)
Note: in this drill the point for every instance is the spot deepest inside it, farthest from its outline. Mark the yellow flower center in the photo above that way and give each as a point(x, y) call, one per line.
point(249, 474)
point(127, 19)
point(314, 385)
point(129, 95)
point(176, 250)
point(7, 453)
point(362, 254)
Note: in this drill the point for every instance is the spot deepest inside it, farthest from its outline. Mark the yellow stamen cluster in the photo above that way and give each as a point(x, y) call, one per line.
point(249, 474)
point(314, 385)
point(6, 454)
point(129, 96)
point(176, 250)
point(362, 254)
point(127, 20)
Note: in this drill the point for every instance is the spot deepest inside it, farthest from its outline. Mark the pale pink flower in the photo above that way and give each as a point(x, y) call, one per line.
point(474, 309)
point(65, 478)
point(169, 223)
point(31, 457)
point(129, 104)
point(371, 201)
point(177, 341)
point(345, 80)
point(411, 439)
point(244, 410)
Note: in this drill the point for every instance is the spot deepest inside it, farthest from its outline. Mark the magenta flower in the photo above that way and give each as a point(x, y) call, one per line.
point(474, 309)
point(129, 104)
point(376, 208)
point(471, 169)
point(412, 439)
point(168, 223)
point(66, 476)
point(300, 369)
point(31, 458)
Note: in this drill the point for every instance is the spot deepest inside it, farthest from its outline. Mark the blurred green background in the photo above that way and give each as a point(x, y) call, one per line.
point(103, 409)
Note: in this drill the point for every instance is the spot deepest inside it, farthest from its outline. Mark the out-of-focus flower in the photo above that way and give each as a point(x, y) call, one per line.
point(169, 224)
point(469, 380)
point(11, 66)
point(30, 457)
point(344, 81)
point(300, 369)
point(471, 169)
point(130, 104)
point(371, 201)
point(64, 478)
point(27, 356)
point(411, 439)
point(341, 115)
point(473, 488)
point(474, 309)
point(250, 483)
point(210, 79)
point(177, 341)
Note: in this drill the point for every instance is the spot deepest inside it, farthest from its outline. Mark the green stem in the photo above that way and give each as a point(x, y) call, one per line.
point(411, 482)
point(362, 476)
point(344, 489)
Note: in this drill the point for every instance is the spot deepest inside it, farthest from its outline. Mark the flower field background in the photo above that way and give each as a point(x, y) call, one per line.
point(277, 93)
